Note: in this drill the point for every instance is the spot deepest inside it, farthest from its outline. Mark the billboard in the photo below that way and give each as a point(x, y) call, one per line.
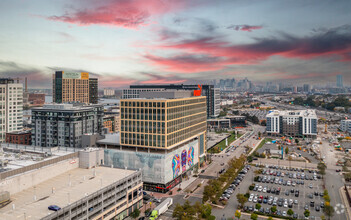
point(72, 75)
point(156, 168)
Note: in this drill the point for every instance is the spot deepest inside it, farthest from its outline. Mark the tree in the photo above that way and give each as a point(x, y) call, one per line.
point(306, 213)
point(297, 141)
point(321, 168)
point(178, 211)
point(254, 216)
point(135, 214)
point(328, 211)
point(241, 199)
point(269, 218)
point(286, 150)
point(238, 214)
point(274, 209)
point(258, 206)
point(290, 212)
point(259, 134)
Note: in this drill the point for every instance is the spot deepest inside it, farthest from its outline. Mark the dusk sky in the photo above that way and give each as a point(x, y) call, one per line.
point(125, 42)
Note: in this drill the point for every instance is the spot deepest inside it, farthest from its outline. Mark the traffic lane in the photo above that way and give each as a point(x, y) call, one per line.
point(334, 182)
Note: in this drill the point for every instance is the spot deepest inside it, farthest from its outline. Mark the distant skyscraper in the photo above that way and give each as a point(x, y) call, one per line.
point(11, 107)
point(306, 87)
point(339, 83)
point(74, 87)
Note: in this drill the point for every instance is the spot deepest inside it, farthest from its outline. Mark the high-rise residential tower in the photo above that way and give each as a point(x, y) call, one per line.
point(64, 124)
point(11, 106)
point(74, 87)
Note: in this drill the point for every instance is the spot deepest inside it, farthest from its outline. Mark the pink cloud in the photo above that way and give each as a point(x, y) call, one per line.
point(119, 13)
point(245, 27)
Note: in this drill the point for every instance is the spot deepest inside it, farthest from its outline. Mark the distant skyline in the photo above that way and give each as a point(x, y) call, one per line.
point(125, 42)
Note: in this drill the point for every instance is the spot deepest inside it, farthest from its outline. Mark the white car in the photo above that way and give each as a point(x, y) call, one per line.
point(264, 189)
point(284, 213)
point(285, 204)
point(259, 188)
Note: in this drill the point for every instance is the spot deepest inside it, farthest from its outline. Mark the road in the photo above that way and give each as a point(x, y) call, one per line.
point(212, 172)
point(333, 180)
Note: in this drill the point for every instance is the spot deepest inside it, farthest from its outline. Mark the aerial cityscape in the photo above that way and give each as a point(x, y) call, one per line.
point(175, 110)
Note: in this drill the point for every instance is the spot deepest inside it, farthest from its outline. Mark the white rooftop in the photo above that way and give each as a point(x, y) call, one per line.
point(292, 113)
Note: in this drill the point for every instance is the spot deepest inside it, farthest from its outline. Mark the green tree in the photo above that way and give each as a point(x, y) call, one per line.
point(222, 113)
point(321, 168)
point(254, 216)
point(286, 150)
point(258, 206)
point(241, 199)
point(290, 212)
point(269, 218)
point(178, 212)
point(259, 134)
point(297, 141)
point(135, 214)
point(307, 213)
point(274, 209)
point(328, 211)
point(238, 214)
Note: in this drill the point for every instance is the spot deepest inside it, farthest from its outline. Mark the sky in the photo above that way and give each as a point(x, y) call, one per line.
point(125, 42)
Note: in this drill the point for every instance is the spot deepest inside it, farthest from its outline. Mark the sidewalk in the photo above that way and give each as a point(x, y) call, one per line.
point(345, 202)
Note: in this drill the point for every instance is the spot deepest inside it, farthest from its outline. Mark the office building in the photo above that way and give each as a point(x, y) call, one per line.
point(64, 124)
point(109, 92)
point(134, 93)
point(212, 94)
point(345, 125)
point(93, 91)
point(163, 133)
point(76, 182)
point(307, 88)
point(19, 137)
point(74, 87)
point(11, 106)
point(299, 123)
point(339, 81)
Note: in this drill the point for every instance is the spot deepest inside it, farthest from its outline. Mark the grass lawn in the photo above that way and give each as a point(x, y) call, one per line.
point(221, 145)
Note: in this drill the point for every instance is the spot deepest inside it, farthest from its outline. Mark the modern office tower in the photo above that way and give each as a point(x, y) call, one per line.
point(163, 133)
point(339, 82)
point(93, 90)
point(306, 87)
point(74, 87)
point(64, 124)
point(299, 123)
point(212, 94)
point(345, 125)
point(11, 106)
point(76, 182)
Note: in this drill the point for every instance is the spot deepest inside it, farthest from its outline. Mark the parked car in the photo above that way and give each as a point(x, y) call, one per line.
point(54, 208)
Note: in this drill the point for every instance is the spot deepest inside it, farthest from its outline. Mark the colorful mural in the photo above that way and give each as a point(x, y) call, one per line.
point(191, 156)
point(184, 159)
point(176, 165)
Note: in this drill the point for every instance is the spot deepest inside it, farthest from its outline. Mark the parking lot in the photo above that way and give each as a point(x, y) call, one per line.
point(295, 189)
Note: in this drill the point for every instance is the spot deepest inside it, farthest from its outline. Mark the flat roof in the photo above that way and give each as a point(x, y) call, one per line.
point(112, 138)
point(83, 183)
point(27, 155)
